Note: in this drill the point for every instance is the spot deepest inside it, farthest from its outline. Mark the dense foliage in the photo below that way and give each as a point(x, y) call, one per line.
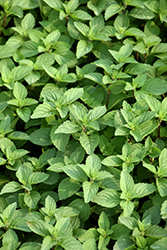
point(83, 135)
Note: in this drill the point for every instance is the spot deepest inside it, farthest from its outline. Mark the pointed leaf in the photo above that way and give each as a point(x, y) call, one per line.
point(89, 190)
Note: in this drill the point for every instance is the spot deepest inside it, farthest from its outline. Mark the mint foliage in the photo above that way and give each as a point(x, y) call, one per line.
point(83, 136)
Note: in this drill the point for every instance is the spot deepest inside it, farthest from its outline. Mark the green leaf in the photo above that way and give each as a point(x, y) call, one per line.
point(47, 243)
point(89, 143)
point(75, 172)
point(43, 110)
point(20, 72)
point(156, 232)
point(58, 5)
point(37, 177)
point(160, 244)
point(50, 206)
point(72, 5)
point(121, 23)
point(112, 10)
point(96, 113)
point(67, 127)
point(17, 135)
point(31, 199)
point(11, 187)
point(164, 210)
point(129, 222)
point(60, 141)
point(96, 25)
point(95, 77)
point(52, 38)
point(81, 206)
point(135, 68)
point(141, 13)
point(107, 198)
point(80, 14)
point(67, 188)
point(83, 47)
point(155, 86)
point(6, 51)
point(83, 28)
point(143, 189)
point(89, 190)
point(103, 222)
point(159, 48)
point(9, 212)
point(19, 91)
point(29, 48)
point(24, 113)
point(90, 244)
point(41, 137)
point(32, 77)
point(153, 103)
point(17, 11)
point(64, 227)
point(70, 243)
point(143, 130)
point(112, 161)
point(39, 227)
point(94, 164)
point(44, 59)
point(162, 186)
point(103, 242)
point(24, 172)
point(123, 243)
point(127, 184)
point(97, 6)
point(28, 22)
point(163, 163)
point(9, 236)
point(72, 95)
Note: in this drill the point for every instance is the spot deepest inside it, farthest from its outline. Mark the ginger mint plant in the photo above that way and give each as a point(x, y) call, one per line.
point(83, 137)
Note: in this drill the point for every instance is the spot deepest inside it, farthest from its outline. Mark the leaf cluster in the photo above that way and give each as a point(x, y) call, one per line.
point(83, 135)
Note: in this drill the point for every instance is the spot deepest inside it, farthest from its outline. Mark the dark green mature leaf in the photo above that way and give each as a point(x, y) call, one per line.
point(160, 244)
point(155, 86)
point(41, 137)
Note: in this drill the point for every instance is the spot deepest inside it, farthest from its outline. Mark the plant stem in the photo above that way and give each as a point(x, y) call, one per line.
point(3, 24)
point(159, 130)
point(108, 94)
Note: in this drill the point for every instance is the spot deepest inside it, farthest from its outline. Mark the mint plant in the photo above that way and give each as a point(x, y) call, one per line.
point(83, 137)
